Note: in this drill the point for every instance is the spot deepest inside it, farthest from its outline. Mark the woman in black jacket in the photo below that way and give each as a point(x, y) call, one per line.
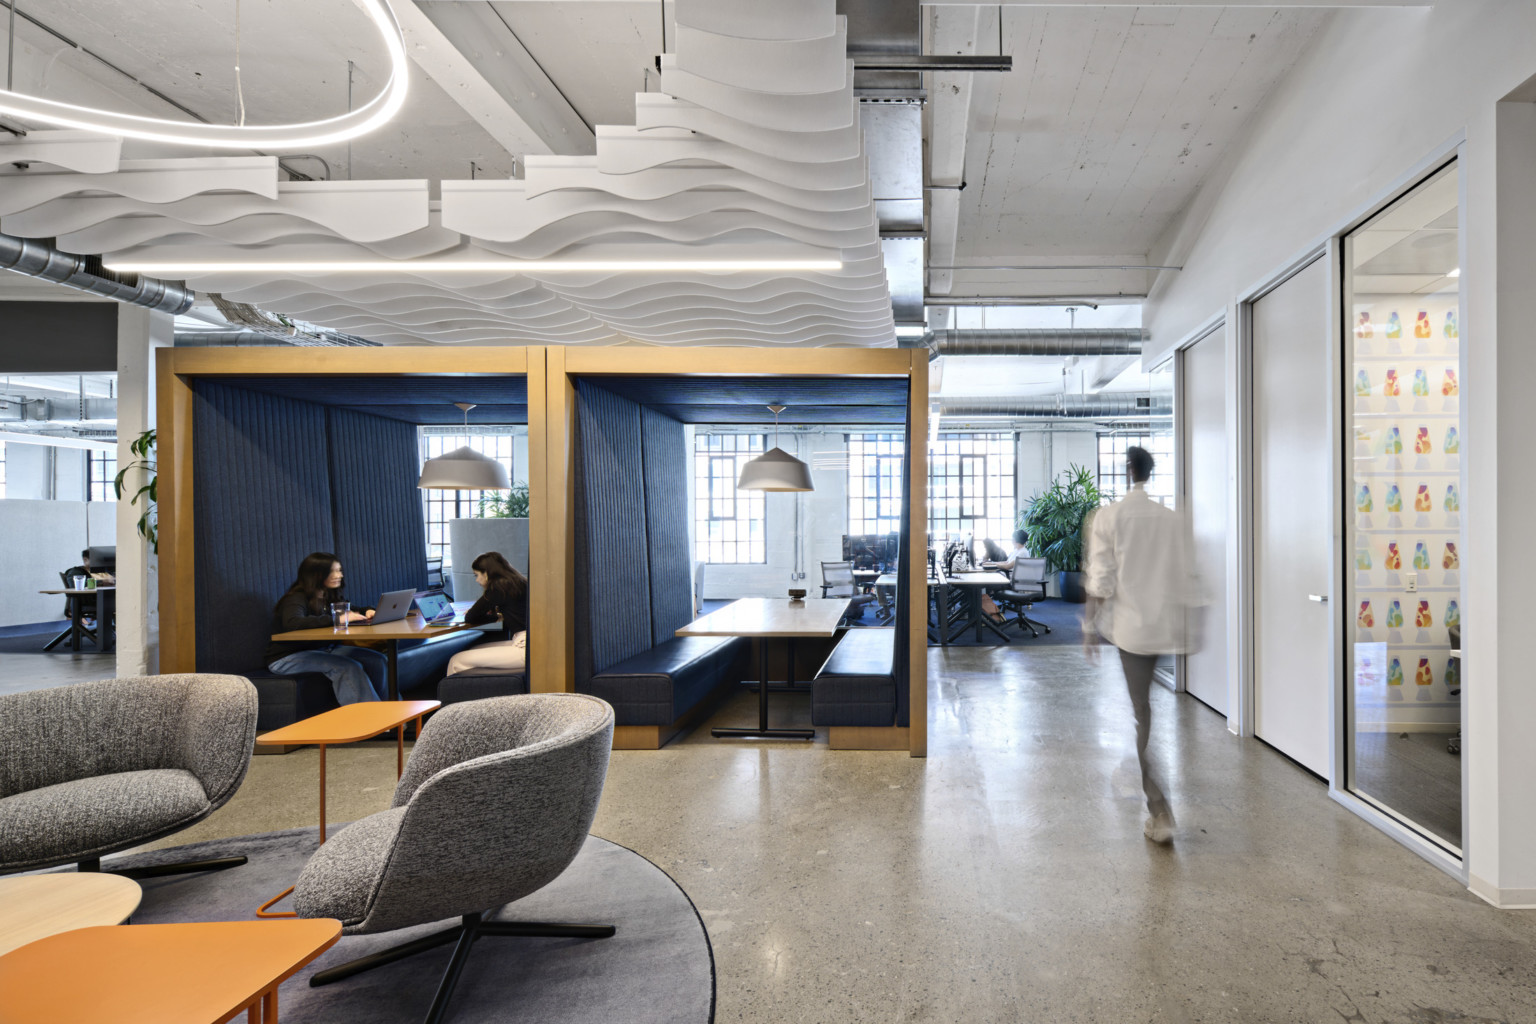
point(505, 597)
point(356, 673)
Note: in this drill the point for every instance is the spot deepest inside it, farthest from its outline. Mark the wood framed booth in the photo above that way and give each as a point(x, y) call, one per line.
point(266, 451)
point(268, 454)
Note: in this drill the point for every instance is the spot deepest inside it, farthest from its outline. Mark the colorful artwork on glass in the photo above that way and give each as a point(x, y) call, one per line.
point(1394, 505)
point(1450, 325)
point(1424, 677)
point(1421, 556)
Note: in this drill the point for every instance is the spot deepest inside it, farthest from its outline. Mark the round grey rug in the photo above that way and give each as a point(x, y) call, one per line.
point(658, 967)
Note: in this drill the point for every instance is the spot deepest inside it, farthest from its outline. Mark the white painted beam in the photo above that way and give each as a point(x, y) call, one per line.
point(479, 35)
point(513, 122)
point(949, 114)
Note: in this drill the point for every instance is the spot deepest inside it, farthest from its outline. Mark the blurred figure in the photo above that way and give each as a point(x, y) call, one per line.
point(1140, 586)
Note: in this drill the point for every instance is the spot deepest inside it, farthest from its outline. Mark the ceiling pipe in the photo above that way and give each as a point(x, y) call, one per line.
point(1037, 341)
point(215, 339)
point(35, 258)
point(1060, 406)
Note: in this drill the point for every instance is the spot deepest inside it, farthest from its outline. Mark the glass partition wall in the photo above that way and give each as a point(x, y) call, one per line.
point(1404, 515)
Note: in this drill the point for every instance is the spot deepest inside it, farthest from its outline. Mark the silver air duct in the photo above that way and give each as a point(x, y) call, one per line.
point(213, 339)
point(1038, 341)
point(1060, 407)
point(38, 259)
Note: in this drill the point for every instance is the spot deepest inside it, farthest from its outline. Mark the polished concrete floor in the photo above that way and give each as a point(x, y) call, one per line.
point(20, 672)
point(1005, 877)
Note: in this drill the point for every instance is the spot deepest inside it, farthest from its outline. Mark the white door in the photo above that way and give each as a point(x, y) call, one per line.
point(1293, 540)
point(1203, 378)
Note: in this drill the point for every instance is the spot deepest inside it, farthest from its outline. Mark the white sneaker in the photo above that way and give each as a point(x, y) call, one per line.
point(1159, 828)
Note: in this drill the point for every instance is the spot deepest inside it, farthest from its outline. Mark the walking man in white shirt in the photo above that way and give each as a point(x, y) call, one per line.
point(1140, 588)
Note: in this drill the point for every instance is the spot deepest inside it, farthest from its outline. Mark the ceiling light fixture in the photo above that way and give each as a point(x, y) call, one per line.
point(227, 136)
point(775, 469)
point(1454, 272)
point(464, 469)
point(176, 268)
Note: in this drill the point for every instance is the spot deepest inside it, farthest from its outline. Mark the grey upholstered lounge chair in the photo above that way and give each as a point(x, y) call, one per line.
point(94, 768)
point(495, 803)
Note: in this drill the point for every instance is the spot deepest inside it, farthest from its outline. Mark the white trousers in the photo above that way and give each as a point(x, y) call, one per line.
point(495, 657)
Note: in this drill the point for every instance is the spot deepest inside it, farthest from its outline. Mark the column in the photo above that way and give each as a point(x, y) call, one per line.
point(139, 332)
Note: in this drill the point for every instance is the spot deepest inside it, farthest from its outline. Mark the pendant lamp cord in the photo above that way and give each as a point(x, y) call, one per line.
point(239, 88)
point(10, 47)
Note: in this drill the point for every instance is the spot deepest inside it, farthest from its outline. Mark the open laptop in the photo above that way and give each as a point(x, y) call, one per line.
point(392, 606)
point(435, 607)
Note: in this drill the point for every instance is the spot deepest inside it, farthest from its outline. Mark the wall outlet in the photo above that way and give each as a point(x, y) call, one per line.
point(1413, 582)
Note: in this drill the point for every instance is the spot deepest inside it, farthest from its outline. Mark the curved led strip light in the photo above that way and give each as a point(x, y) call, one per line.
point(219, 136)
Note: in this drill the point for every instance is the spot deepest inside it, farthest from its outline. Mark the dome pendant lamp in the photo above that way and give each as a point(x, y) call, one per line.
point(775, 469)
point(464, 469)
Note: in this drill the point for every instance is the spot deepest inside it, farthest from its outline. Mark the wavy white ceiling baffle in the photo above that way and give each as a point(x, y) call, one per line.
point(752, 150)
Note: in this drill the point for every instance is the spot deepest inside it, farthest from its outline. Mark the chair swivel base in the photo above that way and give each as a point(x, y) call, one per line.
point(185, 867)
point(465, 935)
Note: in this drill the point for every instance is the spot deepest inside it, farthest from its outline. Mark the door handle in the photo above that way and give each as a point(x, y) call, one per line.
point(1319, 598)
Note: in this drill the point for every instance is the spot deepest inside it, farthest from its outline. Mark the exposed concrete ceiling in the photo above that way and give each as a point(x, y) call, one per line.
point(1091, 148)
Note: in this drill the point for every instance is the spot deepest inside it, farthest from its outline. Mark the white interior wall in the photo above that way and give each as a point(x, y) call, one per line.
point(44, 539)
point(40, 473)
point(1381, 92)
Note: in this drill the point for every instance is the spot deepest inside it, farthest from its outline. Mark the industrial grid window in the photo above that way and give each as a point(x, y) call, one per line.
point(1112, 448)
point(874, 482)
point(971, 486)
point(729, 525)
point(444, 506)
point(101, 468)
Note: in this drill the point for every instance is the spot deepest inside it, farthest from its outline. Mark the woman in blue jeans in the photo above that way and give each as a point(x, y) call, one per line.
point(356, 673)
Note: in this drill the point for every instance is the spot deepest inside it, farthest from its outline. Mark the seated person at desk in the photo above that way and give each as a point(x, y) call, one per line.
point(356, 673)
point(88, 618)
point(505, 597)
point(988, 606)
point(1018, 550)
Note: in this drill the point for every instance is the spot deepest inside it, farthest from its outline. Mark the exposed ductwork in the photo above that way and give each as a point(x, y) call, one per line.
point(36, 258)
point(214, 339)
point(1040, 341)
point(17, 409)
point(1060, 407)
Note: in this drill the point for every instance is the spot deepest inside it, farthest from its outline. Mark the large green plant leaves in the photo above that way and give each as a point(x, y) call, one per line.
point(1053, 520)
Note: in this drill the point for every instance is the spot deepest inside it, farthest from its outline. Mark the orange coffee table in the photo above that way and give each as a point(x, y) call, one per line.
point(349, 724)
point(160, 973)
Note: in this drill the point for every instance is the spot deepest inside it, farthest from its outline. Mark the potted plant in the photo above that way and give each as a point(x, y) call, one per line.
point(1053, 527)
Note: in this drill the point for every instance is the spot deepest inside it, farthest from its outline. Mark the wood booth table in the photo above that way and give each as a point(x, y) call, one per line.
point(204, 973)
point(106, 611)
point(351, 723)
point(34, 907)
point(412, 627)
point(764, 619)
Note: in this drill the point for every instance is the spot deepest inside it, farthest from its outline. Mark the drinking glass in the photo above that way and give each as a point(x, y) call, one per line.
point(340, 614)
point(77, 583)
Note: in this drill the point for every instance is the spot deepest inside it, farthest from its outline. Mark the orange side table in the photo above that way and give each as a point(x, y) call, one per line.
point(349, 724)
point(203, 973)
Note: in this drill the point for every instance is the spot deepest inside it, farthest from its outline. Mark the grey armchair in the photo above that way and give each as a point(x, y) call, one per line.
point(494, 804)
point(95, 768)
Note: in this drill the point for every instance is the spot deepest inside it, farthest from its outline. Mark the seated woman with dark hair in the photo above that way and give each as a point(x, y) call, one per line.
point(506, 598)
point(356, 673)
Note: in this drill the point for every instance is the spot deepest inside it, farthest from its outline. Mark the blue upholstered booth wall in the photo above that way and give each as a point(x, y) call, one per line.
point(905, 552)
point(262, 501)
point(277, 478)
point(613, 589)
point(375, 507)
point(665, 460)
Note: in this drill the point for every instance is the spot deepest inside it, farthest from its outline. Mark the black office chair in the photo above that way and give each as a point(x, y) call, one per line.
point(1025, 588)
point(837, 582)
point(435, 573)
point(71, 604)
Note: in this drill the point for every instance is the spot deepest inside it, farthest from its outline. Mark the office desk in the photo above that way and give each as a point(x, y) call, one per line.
point(764, 619)
point(973, 585)
point(106, 611)
point(412, 627)
point(938, 596)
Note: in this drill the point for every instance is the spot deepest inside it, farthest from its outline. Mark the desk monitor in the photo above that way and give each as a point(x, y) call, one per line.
point(866, 550)
point(994, 551)
point(103, 559)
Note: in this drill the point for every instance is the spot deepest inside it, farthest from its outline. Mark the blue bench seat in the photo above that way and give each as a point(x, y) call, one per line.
point(856, 686)
point(480, 685)
point(285, 699)
point(660, 685)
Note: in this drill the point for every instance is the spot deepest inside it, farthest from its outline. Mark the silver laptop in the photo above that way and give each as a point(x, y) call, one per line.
point(435, 607)
point(393, 606)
